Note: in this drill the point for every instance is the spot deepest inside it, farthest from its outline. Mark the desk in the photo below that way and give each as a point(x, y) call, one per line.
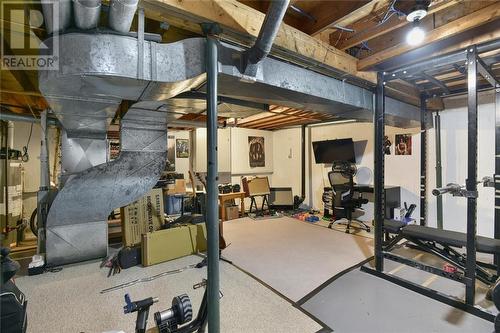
point(231, 196)
point(392, 197)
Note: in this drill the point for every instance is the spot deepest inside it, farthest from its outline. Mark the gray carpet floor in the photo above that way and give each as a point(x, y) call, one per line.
point(69, 301)
point(359, 302)
point(291, 256)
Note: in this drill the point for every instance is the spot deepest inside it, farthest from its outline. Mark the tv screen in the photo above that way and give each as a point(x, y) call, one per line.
point(334, 150)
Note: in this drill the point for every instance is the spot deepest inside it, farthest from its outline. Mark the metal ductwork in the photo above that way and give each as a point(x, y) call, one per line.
point(268, 31)
point(64, 10)
point(87, 13)
point(77, 222)
point(121, 14)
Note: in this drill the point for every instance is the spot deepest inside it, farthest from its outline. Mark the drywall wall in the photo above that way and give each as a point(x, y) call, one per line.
point(454, 164)
point(240, 160)
point(223, 149)
point(403, 171)
point(287, 154)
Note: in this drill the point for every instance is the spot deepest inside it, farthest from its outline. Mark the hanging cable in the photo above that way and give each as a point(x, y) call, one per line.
point(25, 157)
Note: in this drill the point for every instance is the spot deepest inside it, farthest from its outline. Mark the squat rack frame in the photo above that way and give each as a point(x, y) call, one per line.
point(468, 62)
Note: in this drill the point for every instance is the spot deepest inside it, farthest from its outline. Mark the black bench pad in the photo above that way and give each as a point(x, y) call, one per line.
point(393, 226)
point(451, 238)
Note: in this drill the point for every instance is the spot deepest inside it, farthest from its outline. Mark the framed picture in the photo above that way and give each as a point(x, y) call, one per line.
point(170, 153)
point(256, 152)
point(182, 148)
point(402, 145)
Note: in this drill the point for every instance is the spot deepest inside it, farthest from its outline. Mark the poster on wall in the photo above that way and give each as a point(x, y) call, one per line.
point(387, 145)
point(182, 148)
point(256, 153)
point(403, 144)
point(170, 153)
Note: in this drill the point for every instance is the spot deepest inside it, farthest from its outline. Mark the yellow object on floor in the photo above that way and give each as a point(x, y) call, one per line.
point(164, 245)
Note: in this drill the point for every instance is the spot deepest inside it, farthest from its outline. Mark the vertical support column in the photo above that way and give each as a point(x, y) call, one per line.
point(303, 160)
point(497, 172)
point(471, 185)
point(379, 205)
point(43, 191)
point(439, 175)
point(212, 182)
point(423, 160)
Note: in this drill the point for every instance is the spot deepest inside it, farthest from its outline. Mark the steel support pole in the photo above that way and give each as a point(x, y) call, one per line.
point(423, 160)
point(379, 206)
point(439, 175)
point(43, 190)
point(212, 187)
point(497, 173)
point(471, 185)
point(303, 161)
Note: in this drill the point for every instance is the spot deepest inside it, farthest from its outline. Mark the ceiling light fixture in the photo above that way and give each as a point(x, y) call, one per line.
point(417, 35)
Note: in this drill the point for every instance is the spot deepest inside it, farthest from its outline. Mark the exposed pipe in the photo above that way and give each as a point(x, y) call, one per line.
point(87, 13)
point(212, 191)
point(121, 14)
point(63, 8)
point(12, 116)
point(268, 32)
point(439, 176)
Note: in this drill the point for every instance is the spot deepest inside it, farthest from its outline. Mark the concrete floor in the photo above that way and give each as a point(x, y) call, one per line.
point(69, 301)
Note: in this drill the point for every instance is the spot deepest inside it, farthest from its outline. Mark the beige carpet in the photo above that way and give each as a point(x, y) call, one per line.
point(69, 301)
point(291, 256)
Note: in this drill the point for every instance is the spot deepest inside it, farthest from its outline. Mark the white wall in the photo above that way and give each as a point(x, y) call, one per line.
point(223, 150)
point(454, 164)
point(287, 159)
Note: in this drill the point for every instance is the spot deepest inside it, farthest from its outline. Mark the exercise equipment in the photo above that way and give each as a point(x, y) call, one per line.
point(171, 319)
point(142, 309)
point(440, 243)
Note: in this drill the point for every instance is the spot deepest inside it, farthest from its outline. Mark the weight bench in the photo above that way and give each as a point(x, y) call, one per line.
point(441, 243)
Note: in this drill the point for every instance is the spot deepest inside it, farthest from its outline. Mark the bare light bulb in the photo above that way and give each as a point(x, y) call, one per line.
point(416, 36)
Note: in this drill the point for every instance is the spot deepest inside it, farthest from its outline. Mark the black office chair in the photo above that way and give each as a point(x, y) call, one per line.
point(344, 202)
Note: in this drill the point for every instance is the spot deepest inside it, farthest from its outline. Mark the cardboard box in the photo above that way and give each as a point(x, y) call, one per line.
point(178, 188)
point(142, 216)
point(232, 212)
point(168, 244)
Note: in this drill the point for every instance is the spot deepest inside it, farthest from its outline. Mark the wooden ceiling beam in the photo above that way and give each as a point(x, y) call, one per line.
point(358, 14)
point(477, 18)
point(372, 29)
point(241, 24)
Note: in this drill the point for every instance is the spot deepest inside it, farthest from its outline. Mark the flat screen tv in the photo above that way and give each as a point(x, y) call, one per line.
point(334, 150)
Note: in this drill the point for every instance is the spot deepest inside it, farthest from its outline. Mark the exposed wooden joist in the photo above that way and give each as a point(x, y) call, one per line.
point(358, 14)
point(241, 24)
point(480, 17)
point(373, 29)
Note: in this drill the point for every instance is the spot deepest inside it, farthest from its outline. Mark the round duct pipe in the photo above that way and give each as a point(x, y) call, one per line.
point(121, 14)
point(87, 13)
point(62, 8)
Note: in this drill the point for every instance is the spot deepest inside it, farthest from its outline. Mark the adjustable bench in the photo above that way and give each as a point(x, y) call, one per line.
point(442, 243)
